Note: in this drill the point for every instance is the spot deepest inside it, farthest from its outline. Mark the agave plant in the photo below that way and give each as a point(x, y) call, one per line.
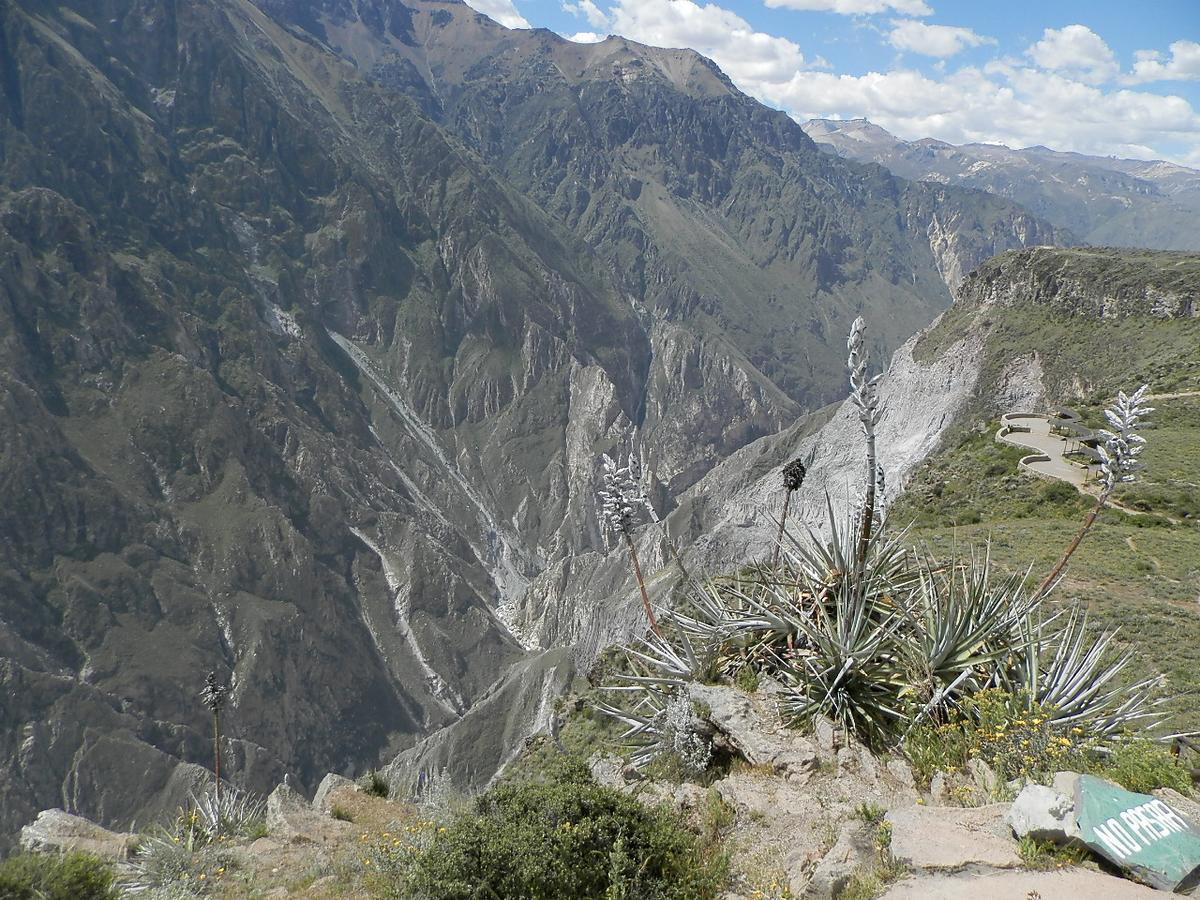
point(859, 628)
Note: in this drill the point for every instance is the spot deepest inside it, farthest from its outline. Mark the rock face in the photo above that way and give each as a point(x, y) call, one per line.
point(1104, 201)
point(314, 318)
point(55, 830)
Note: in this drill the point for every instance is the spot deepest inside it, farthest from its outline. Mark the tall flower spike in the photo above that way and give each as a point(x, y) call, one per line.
point(621, 498)
point(621, 502)
point(864, 394)
point(213, 694)
point(1119, 452)
point(1118, 465)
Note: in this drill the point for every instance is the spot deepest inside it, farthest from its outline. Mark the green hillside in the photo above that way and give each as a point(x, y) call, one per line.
point(1136, 571)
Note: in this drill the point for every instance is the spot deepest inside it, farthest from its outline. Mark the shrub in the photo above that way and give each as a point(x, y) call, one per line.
point(56, 876)
point(375, 784)
point(1142, 766)
point(562, 836)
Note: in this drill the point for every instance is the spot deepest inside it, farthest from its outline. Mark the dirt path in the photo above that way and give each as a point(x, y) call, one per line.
point(1052, 446)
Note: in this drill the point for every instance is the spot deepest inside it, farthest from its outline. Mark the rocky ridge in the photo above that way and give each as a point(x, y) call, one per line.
point(1102, 200)
point(806, 816)
point(314, 319)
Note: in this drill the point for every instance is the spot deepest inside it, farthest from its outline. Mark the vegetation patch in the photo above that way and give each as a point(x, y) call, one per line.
point(57, 876)
point(562, 835)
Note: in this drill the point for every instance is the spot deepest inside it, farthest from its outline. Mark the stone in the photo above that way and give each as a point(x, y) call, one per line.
point(852, 850)
point(292, 819)
point(57, 830)
point(945, 837)
point(902, 772)
point(1018, 885)
point(761, 741)
point(939, 789)
point(1044, 814)
point(826, 735)
point(323, 800)
point(607, 769)
point(985, 779)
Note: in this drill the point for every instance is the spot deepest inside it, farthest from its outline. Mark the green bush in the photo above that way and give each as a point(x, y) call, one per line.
point(56, 876)
point(1016, 736)
point(562, 836)
point(1142, 766)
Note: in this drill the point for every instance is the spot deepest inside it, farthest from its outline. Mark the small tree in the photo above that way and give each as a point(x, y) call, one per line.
point(621, 504)
point(1119, 465)
point(213, 696)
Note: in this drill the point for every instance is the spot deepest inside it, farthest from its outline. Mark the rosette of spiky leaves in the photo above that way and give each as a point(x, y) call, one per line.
point(1070, 668)
point(659, 669)
point(962, 625)
point(1121, 447)
point(622, 500)
point(844, 657)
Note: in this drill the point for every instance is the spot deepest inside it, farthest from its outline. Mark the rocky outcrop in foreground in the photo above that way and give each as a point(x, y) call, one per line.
point(813, 814)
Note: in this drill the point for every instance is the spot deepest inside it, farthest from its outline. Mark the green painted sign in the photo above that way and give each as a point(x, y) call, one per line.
point(1139, 833)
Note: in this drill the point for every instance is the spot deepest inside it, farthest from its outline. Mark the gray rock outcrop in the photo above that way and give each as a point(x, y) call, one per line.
point(57, 830)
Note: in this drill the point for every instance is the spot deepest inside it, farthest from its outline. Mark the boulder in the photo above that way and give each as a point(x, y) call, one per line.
point(323, 800)
point(57, 830)
point(853, 850)
point(945, 837)
point(1044, 814)
point(985, 779)
point(753, 734)
point(291, 818)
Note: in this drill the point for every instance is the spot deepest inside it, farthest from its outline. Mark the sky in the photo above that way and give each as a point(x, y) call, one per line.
point(1106, 77)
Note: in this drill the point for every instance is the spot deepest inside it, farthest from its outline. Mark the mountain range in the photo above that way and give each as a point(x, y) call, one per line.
point(1104, 201)
point(314, 320)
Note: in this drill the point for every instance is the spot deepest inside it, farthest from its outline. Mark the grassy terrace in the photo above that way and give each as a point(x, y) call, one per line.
point(1139, 572)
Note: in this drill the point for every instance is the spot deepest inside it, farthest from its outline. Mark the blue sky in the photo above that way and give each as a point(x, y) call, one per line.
point(1104, 77)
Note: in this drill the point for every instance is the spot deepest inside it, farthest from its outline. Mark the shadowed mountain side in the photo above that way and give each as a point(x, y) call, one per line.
point(310, 339)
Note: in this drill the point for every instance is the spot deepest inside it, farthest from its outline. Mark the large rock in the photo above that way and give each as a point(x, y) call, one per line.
point(952, 838)
point(750, 731)
point(332, 785)
point(1072, 884)
point(1044, 814)
point(852, 851)
point(55, 829)
point(291, 819)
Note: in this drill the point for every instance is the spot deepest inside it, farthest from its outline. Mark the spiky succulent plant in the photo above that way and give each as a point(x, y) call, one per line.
point(879, 637)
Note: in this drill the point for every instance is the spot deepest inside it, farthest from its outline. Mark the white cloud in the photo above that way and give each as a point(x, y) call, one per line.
point(751, 58)
point(503, 11)
point(1002, 103)
point(587, 9)
point(857, 7)
point(1184, 64)
point(1078, 50)
point(585, 37)
point(933, 40)
point(1057, 94)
